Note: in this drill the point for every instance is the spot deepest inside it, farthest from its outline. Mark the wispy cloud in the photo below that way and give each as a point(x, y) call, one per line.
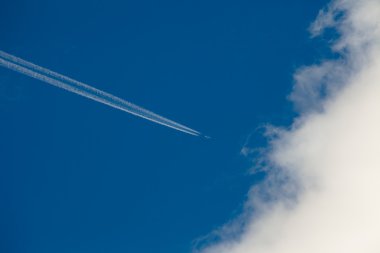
point(322, 191)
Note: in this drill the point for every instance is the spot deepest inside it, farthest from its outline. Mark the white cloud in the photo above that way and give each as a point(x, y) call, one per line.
point(323, 185)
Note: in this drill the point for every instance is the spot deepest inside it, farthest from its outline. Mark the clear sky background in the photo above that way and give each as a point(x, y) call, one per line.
point(78, 176)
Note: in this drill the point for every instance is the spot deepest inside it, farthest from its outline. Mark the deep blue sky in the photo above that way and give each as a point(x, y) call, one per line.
point(78, 176)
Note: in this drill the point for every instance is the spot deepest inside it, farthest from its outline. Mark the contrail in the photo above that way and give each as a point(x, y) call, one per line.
point(27, 68)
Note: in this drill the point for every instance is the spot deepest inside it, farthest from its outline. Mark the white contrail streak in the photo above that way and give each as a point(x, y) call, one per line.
point(27, 68)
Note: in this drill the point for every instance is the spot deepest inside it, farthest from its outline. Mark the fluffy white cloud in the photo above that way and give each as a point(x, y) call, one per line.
point(323, 189)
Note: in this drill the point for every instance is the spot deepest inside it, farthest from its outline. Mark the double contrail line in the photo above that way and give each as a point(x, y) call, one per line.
point(58, 80)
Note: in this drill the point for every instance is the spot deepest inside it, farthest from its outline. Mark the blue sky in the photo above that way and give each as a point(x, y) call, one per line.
point(78, 176)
